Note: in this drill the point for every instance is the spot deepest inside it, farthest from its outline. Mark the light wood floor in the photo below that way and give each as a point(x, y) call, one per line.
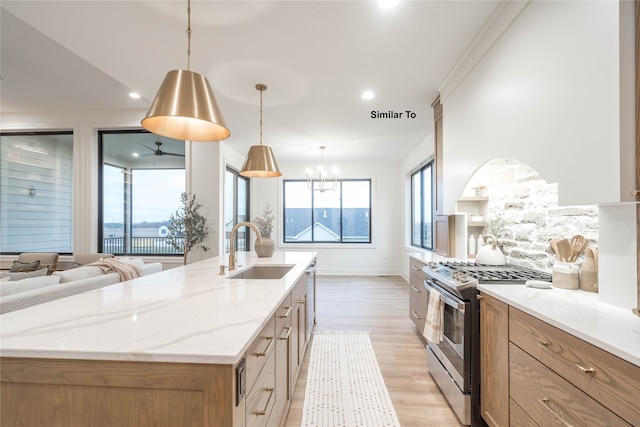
point(380, 305)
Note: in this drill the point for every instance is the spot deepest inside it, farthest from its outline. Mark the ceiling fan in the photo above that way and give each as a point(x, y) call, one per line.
point(158, 152)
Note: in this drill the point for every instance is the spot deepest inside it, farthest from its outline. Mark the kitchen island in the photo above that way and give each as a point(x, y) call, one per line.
point(180, 347)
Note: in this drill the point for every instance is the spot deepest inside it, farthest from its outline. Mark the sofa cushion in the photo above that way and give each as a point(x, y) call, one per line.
point(137, 262)
point(15, 286)
point(24, 266)
point(78, 273)
point(24, 275)
point(26, 299)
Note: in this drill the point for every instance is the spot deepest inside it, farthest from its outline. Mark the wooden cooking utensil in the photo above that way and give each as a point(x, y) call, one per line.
point(578, 243)
point(564, 249)
point(554, 247)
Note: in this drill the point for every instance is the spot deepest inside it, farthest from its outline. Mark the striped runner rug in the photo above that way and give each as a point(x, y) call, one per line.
point(344, 384)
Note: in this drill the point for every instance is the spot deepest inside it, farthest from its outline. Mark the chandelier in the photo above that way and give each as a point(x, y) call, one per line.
point(322, 183)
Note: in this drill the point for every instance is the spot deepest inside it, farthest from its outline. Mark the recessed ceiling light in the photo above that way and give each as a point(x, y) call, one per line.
point(386, 4)
point(368, 95)
point(135, 154)
point(134, 95)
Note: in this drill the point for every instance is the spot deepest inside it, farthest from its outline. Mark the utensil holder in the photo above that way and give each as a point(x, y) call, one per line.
point(566, 275)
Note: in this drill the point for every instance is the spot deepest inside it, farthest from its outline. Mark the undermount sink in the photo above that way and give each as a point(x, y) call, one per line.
point(263, 272)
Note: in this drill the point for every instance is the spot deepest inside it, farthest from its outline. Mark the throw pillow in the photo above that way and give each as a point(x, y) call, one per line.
point(24, 266)
point(24, 275)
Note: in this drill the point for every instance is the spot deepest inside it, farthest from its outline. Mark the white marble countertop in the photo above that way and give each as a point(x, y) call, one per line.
point(579, 313)
point(189, 314)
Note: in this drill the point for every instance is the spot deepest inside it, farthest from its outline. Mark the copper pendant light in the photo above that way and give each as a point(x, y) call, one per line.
point(185, 107)
point(260, 162)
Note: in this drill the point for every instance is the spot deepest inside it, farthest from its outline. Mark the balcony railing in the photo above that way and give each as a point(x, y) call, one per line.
point(139, 245)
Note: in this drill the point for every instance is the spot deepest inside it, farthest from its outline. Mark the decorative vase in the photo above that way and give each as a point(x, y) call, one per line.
point(266, 248)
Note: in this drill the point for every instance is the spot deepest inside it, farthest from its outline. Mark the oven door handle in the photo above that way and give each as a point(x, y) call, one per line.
point(449, 301)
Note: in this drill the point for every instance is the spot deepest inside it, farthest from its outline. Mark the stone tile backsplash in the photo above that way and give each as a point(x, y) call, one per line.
point(524, 215)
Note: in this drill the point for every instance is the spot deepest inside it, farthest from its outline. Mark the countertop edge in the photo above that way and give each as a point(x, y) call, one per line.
point(514, 295)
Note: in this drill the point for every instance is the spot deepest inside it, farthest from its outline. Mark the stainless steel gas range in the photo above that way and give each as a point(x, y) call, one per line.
point(454, 362)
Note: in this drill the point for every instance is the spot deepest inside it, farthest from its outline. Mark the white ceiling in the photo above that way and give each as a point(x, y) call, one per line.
point(316, 57)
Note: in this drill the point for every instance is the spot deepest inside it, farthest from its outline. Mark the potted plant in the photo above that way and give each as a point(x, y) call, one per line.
point(188, 228)
point(264, 222)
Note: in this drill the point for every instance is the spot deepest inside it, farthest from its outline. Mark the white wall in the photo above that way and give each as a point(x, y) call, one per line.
point(421, 154)
point(383, 256)
point(553, 87)
point(547, 92)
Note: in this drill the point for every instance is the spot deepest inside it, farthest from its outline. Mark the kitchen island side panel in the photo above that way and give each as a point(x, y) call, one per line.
point(37, 392)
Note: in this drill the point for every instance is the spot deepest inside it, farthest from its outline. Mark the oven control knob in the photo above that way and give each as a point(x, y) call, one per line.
point(433, 265)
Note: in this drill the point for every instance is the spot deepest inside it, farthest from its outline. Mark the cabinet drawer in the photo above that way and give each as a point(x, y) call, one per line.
point(283, 314)
point(298, 290)
point(519, 418)
point(607, 378)
point(419, 292)
point(262, 397)
point(259, 351)
point(549, 399)
point(416, 267)
point(417, 313)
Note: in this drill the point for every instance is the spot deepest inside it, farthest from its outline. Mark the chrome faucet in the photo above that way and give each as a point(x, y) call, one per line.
point(232, 250)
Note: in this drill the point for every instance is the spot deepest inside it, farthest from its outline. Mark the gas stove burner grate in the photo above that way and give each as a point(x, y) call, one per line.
point(496, 273)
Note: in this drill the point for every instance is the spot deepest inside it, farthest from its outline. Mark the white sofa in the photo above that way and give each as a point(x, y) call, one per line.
point(38, 289)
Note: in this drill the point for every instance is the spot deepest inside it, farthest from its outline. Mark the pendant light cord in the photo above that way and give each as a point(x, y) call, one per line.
point(261, 90)
point(188, 35)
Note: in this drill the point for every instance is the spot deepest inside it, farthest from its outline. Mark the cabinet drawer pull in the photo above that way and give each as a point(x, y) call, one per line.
point(302, 300)
point(415, 268)
point(267, 348)
point(547, 404)
point(590, 371)
point(415, 314)
point(288, 328)
point(266, 406)
point(415, 289)
point(285, 315)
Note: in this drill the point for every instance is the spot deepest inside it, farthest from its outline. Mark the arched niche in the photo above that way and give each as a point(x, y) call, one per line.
point(509, 199)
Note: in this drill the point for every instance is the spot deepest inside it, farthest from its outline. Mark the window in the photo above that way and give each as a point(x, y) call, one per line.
point(35, 192)
point(422, 207)
point(340, 216)
point(236, 209)
point(141, 180)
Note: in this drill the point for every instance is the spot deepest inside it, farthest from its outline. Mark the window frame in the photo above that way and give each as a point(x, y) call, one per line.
point(429, 166)
point(340, 182)
point(128, 194)
point(247, 231)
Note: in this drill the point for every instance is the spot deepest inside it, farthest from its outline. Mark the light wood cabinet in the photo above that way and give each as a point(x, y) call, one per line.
point(613, 382)
point(445, 233)
point(550, 376)
point(494, 361)
point(551, 400)
point(417, 295)
point(283, 382)
point(444, 225)
point(298, 334)
point(261, 398)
